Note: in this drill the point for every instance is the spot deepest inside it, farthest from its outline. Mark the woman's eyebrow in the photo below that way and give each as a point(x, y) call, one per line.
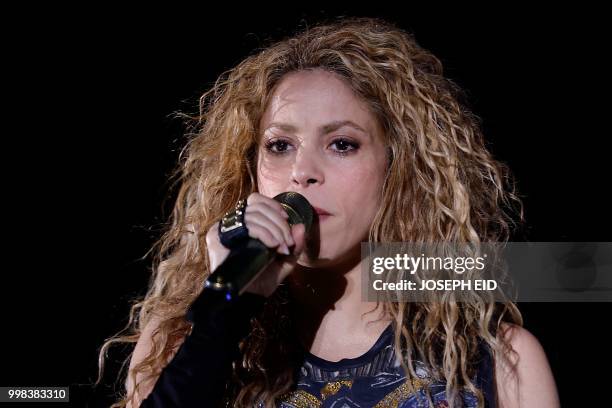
point(324, 129)
point(330, 127)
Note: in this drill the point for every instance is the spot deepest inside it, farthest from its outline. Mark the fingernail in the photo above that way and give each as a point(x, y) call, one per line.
point(284, 249)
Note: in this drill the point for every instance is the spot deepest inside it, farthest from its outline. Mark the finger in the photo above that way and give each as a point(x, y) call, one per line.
point(255, 198)
point(264, 222)
point(264, 203)
point(262, 233)
point(276, 212)
point(281, 225)
point(298, 232)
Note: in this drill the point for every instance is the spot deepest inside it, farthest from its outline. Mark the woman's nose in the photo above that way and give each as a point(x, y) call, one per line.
point(306, 169)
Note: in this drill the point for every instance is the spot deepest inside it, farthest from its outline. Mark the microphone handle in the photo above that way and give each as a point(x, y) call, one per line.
point(240, 268)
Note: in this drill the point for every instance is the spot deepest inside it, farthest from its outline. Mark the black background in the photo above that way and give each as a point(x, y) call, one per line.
point(89, 145)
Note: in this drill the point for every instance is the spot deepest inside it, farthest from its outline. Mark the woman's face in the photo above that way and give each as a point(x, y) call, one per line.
point(320, 140)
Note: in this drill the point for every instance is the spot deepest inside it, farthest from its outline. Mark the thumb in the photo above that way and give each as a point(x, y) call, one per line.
point(298, 234)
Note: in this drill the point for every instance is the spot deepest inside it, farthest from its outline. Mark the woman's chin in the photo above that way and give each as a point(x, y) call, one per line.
point(322, 260)
point(309, 262)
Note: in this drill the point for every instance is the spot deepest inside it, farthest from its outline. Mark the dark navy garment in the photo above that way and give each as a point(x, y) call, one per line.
point(198, 373)
point(376, 379)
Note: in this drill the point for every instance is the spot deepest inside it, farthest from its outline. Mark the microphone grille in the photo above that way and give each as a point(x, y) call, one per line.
point(298, 208)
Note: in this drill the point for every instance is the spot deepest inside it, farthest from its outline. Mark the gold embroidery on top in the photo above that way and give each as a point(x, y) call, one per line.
point(301, 399)
point(333, 387)
point(400, 394)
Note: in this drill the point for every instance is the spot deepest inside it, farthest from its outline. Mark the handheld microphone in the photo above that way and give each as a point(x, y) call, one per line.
point(244, 263)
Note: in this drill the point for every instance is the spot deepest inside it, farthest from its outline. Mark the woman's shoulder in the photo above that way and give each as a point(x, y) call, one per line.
point(522, 342)
point(523, 376)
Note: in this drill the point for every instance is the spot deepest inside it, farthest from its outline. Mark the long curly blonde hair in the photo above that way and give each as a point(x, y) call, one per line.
point(442, 185)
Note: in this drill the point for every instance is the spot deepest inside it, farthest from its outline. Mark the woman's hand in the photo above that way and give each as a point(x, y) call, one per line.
point(265, 220)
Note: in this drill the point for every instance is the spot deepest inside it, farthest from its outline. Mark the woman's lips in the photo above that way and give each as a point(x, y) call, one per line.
point(321, 214)
point(323, 217)
point(320, 211)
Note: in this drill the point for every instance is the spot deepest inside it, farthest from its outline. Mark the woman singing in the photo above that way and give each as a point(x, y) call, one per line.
point(358, 118)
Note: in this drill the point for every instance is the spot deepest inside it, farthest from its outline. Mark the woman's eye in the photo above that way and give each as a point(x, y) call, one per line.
point(276, 146)
point(341, 147)
point(344, 146)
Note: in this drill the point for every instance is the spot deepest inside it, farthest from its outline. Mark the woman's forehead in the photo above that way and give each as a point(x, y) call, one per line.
point(304, 87)
point(315, 99)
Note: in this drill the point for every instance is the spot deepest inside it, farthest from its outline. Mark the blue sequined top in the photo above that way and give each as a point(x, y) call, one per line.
point(376, 379)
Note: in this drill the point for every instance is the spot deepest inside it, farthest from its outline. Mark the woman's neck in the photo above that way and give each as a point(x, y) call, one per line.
point(326, 302)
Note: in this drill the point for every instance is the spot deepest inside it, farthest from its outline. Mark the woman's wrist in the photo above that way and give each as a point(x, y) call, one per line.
point(213, 315)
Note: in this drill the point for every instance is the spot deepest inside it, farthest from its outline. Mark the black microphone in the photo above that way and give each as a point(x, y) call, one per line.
point(245, 262)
